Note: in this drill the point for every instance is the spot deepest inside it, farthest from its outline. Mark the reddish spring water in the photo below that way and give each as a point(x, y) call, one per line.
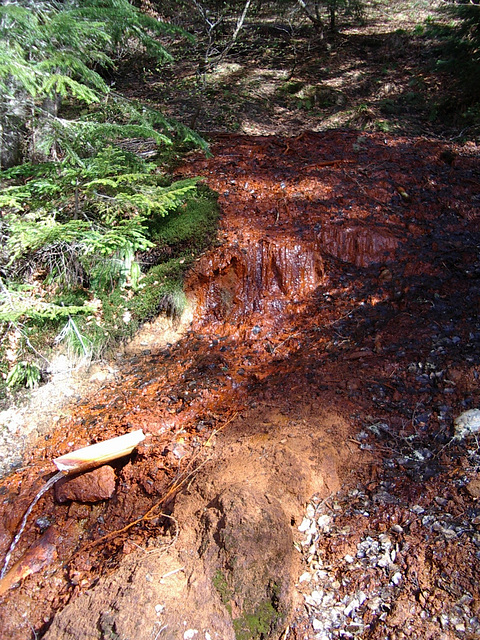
point(342, 258)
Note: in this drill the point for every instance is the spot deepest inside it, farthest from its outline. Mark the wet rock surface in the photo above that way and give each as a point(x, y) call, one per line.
point(93, 486)
point(316, 401)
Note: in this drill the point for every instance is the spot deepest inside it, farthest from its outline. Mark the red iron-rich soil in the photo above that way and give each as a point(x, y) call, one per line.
point(335, 341)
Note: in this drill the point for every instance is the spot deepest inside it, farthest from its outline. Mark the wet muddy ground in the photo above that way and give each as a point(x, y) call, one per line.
point(335, 340)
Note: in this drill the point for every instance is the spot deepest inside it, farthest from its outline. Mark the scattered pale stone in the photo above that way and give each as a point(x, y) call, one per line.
point(445, 531)
point(348, 558)
point(309, 600)
point(351, 608)
point(189, 634)
point(323, 523)
point(310, 511)
point(317, 625)
point(383, 561)
point(467, 423)
point(328, 599)
point(444, 620)
point(374, 603)
point(418, 509)
point(305, 525)
point(305, 577)
point(396, 578)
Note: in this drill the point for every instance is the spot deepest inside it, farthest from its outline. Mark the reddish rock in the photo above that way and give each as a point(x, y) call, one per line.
point(93, 486)
point(473, 488)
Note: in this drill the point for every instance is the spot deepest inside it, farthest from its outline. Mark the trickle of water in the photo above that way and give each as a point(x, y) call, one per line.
point(42, 491)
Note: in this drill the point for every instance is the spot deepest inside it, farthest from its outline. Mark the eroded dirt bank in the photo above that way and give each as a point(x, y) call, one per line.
point(336, 339)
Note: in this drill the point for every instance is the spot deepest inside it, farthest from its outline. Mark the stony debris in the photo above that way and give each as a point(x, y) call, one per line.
point(358, 581)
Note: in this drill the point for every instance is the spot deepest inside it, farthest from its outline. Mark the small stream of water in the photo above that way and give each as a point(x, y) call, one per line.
point(23, 524)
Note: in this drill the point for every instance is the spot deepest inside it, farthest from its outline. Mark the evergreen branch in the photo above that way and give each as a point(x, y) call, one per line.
point(62, 85)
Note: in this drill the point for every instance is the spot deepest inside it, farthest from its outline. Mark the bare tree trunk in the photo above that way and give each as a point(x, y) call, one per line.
point(314, 19)
point(13, 115)
point(212, 56)
point(240, 21)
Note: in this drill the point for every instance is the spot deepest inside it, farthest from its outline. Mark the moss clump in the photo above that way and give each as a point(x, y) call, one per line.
point(189, 229)
point(178, 238)
point(256, 625)
point(221, 585)
point(161, 291)
point(258, 620)
point(292, 87)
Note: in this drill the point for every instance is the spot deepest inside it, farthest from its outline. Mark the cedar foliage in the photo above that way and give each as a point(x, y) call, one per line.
point(76, 206)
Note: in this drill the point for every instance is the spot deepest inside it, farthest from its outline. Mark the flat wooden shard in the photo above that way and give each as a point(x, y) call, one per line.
point(97, 454)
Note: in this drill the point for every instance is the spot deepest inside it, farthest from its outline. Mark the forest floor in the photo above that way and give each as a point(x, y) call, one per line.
point(302, 475)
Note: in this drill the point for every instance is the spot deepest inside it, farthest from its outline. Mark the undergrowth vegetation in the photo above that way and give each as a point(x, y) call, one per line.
point(457, 51)
point(95, 235)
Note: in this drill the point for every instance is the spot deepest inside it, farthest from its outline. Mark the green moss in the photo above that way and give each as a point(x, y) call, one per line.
point(256, 625)
point(292, 87)
point(179, 238)
point(72, 297)
point(220, 584)
point(192, 227)
point(161, 291)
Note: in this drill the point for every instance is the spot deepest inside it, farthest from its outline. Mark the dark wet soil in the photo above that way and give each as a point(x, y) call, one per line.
point(339, 310)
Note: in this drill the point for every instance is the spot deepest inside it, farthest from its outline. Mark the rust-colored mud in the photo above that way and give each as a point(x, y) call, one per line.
point(346, 276)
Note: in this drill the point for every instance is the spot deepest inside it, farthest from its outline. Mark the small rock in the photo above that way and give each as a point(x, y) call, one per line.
point(374, 603)
point(310, 511)
point(396, 578)
point(305, 524)
point(323, 523)
point(350, 608)
point(473, 488)
point(317, 624)
point(93, 486)
point(467, 423)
